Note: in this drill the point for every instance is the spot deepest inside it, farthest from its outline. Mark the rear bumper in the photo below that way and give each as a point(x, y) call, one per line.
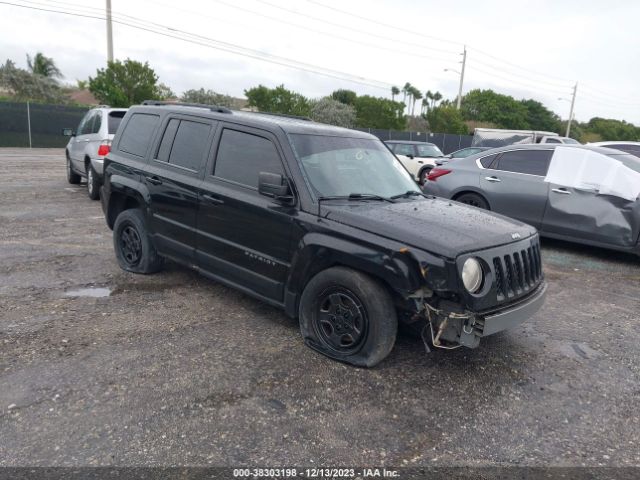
point(98, 165)
point(515, 314)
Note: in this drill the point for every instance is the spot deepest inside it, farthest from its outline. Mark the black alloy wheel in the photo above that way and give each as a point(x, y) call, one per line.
point(130, 245)
point(341, 321)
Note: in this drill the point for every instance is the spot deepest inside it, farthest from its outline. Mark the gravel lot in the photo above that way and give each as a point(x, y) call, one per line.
point(174, 369)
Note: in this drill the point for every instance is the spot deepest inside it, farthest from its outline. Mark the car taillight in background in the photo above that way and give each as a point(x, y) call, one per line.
point(104, 149)
point(436, 173)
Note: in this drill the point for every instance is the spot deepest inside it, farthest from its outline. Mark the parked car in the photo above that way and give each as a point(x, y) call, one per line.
point(511, 181)
point(499, 137)
point(417, 157)
point(465, 152)
point(89, 144)
point(320, 221)
point(630, 147)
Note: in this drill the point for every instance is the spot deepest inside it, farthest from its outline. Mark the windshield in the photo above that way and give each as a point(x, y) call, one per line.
point(429, 151)
point(339, 166)
point(114, 121)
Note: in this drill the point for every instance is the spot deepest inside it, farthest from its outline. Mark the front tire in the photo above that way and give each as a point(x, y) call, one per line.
point(134, 249)
point(72, 177)
point(93, 183)
point(348, 316)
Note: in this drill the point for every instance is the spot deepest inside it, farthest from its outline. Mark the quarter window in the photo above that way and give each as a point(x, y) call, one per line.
point(488, 160)
point(190, 144)
point(137, 133)
point(242, 156)
point(532, 162)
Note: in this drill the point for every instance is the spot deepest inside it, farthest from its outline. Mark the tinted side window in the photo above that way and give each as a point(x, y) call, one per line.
point(632, 149)
point(532, 162)
point(114, 121)
point(552, 140)
point(403, 149)
point(97, 122)
point(242, 156)
point(167, 140)
point(86, 125)
point(486, 161)
point(190, 144)
point(137, 134)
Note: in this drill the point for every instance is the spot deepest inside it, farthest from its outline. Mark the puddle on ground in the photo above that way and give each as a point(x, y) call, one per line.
point(95, 292)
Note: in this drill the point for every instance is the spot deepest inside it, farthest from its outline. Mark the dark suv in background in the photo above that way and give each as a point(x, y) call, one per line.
point(321, 221)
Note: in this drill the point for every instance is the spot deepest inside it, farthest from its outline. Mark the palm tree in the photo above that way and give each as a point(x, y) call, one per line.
point(405, 91)
point(45, 66)
point(436, 98)
point(425, 106)
point(416, 95)
point(394, 91)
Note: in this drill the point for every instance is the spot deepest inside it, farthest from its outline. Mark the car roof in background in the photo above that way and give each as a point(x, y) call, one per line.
point(410, 142)
point(543, 146)
point(613, 142)
point(258, 120)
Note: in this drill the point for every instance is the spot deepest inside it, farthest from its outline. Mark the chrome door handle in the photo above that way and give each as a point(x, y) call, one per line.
point(492, 179)
point(154, 180)
point(561, 190)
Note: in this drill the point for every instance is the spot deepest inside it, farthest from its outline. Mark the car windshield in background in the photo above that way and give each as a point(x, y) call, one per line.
point(114, 121)
point(340, 166)
point(429, 151)
point(627, 160)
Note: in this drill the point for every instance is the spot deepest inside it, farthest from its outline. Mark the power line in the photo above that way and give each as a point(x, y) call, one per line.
point(224, 46)
point(519, 82)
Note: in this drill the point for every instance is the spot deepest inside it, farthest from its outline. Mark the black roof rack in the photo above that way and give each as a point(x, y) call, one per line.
point(297, 117)
point(213, 108)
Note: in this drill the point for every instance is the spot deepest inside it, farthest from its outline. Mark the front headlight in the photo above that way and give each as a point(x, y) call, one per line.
point(472, 275)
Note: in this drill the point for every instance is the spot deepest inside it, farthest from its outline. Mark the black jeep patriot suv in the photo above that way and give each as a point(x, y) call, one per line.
point(321, 221)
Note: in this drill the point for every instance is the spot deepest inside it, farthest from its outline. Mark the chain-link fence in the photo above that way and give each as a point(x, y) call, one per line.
point(25, 124)
point(40, 125)
point(447, 142)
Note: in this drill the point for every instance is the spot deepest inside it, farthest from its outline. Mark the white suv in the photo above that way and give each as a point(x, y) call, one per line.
point(89, 144)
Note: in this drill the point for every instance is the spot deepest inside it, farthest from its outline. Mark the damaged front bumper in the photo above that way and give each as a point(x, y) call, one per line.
point(451, 329)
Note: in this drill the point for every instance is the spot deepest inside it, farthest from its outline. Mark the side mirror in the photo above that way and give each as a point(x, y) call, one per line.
point(68, 132)
point(275, 186)
point(410, 155)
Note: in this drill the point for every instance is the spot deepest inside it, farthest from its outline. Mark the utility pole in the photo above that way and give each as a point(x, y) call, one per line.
point(573, 102)
point(109, 33)
point(464, 62)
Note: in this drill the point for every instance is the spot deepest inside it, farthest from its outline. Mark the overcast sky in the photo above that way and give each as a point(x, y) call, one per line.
point(528, 49)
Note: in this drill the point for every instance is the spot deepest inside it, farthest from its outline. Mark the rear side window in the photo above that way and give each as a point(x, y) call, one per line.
point(531, 162)
point(97, 122)
point(632, 149)
point(242, 156)
point(114, 121)
point(488, 160)
point(552, 140)
point(137, 134)
point(190, 144)
point(164, 150)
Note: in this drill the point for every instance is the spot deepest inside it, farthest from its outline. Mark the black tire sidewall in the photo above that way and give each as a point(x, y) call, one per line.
point(94, 190)
point(149, 261)
point(382, 320)
point(483, 203)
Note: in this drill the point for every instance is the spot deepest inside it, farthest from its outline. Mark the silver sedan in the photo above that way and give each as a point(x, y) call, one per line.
point(511, 181)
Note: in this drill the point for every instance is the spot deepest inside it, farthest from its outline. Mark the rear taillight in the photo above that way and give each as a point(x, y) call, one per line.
point(104, 149)
point(436, 173)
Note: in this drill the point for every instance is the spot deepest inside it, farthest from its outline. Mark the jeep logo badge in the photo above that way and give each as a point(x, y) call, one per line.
point(515, 236)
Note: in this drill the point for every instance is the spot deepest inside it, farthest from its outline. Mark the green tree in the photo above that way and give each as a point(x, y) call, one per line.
point(24, 85)
point(372, 112)
point(123, 84)
point(45, 66)
point(333, 112)
point(540, 117)
point(446, 119)
point(348, 97)
point(610, 129)
point(207, 97)
point(488, 106)
point(277, 100)
point(394, 91)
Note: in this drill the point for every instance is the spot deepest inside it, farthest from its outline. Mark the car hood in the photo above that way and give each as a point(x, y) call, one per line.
point(442, 227)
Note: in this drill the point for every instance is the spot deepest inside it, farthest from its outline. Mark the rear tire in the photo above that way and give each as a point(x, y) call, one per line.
point(134, 249)
point(348, 316)
point(424, 173)
point(72, 177)
point(474, 200)
point(93, 183)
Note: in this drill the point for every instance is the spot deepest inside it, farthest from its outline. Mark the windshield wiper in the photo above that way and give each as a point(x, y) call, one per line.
point(357, 196)
point(409, 193)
